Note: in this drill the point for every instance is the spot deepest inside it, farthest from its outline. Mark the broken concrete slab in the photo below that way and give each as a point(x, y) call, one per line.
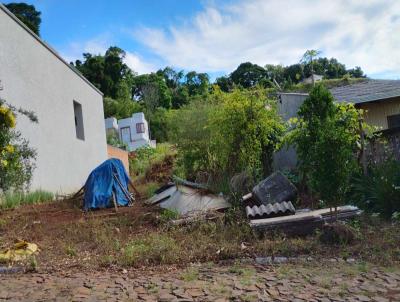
point(187, 200)
point(275, 188)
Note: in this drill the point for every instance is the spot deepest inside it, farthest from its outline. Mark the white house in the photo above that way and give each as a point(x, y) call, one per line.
point(133, 131)
point(69, 138)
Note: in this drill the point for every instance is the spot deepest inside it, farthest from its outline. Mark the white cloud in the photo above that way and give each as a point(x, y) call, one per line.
point(358, 33)
point(138, 64)
point(97, 45)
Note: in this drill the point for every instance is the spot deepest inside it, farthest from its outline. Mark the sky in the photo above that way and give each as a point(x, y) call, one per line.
point(215, 36)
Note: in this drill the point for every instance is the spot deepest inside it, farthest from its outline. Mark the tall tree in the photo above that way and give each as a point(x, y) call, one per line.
point(108, 72)
point(249, 75)
point(27, 14)
point(308, 58)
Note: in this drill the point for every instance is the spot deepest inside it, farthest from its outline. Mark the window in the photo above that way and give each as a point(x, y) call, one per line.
point(126, 134)
point(80, 133)
point(393, 121)
point(140, 128)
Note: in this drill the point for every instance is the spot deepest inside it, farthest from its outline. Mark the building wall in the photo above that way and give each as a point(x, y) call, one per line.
point(136, 140)
point(377, 112)
point(36, 79)
point(114, 152)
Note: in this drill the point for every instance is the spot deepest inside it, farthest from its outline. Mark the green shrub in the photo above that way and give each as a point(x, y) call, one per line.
point(379, 191)
point(326, 138)
point(227, 133)
point(147, 156)
point(16, 157)
point(16, 199)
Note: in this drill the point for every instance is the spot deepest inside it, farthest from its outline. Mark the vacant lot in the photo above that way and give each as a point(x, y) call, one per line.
point(140, 236)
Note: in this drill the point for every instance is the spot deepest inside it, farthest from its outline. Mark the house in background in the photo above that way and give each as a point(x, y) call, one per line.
point(69, 138)
point(379, 98)
point(133, 131)
point(309, 80)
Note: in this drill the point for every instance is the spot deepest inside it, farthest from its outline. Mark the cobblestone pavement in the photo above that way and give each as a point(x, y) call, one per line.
point(344, 282)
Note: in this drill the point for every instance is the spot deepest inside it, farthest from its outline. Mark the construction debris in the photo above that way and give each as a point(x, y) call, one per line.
point(304, 223)
point(19, 252)
point(270, 210)
point(275, 188)
point(187, 198)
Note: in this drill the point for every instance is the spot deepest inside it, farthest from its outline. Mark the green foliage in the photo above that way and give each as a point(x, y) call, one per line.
point(120, 108)
point(227, 133)
point(379, 191)
point(27, 14)
point(113, 140)
point(16, 157)
point(250, 75)
point(326, 137)
point(146, 156)
point(16, 199)
point(108, 72)
point(167, 215)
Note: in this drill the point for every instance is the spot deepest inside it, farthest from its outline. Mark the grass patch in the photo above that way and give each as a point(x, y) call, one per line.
point(14, 200)
point(190, 274)
point(152, 249)
point(70, 251)
point(168, 215)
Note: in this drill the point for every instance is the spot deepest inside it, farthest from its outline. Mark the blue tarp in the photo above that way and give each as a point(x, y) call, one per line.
point(101, 183)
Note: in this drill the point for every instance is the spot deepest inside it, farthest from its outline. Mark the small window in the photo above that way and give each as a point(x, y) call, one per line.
point(393, 121)
point(80, 133)
point(140, 128)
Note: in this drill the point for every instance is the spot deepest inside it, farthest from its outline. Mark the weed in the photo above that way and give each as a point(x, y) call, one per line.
point(191, 274)
point(70, 251)
point(167, 215)
point(16, 199)
point(33, 264)
point(152, 249)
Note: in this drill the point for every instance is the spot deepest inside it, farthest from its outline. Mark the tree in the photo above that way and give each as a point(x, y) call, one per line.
point(27, 14)
point(152, 90)
point(108, 72)
point(249, 75)
point(197, 83)
point(120, 108)
point(225, 83)
point(308, 58)
point(326, 137)
point(227, 133)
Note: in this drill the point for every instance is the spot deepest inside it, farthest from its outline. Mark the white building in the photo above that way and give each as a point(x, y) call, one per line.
point(69, 138)
point(133, 131)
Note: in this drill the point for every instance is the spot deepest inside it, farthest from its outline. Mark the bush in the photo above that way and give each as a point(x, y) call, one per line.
point(145, 157)
point(16, 157)
point(326, 137)
point(379, 191)
point(227, 133)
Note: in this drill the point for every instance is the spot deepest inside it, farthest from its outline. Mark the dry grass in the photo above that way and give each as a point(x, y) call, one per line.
point(137, 237)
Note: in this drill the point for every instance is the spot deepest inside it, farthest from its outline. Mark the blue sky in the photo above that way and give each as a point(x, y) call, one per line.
point(215, 36)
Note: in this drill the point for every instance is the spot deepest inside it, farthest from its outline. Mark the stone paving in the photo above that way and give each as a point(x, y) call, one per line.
point(344, 282)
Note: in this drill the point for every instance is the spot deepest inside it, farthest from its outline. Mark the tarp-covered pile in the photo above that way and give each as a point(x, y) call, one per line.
point(107, 179)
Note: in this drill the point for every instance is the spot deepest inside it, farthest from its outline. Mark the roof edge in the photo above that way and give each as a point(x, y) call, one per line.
point(48, 47)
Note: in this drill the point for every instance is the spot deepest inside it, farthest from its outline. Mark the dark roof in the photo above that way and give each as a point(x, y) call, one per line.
point(49, 48)
point(367, 91)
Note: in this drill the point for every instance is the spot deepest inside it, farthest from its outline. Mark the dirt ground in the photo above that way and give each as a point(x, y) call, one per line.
point(211, 282)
